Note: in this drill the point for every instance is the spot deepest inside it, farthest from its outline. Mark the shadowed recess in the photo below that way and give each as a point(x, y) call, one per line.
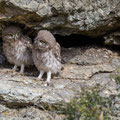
point(75, 40)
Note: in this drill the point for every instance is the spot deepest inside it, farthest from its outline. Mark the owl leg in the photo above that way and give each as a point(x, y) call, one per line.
point(48, 77)
point(41, 74)
point(22, 68)
point(15, 67)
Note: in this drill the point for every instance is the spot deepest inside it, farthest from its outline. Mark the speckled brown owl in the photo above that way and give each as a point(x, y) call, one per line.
point(46, 54)
point(17, 47)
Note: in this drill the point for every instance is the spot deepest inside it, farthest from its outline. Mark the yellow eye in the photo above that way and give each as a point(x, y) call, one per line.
point(10, 35)
point(42, 41)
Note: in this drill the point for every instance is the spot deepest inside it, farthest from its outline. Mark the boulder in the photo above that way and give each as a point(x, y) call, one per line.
point(64, 17)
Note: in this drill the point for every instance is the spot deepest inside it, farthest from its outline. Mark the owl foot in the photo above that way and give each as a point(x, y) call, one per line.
point(45, 83)
point(38, 79)
point(15, 67)
point(19, 73)
point(13, 72)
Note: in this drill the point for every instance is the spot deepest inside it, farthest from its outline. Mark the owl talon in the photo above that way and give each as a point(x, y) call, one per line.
point(13, 71)
point(21, 74)
point(46, 83)
point(39, 79)
point(18, 73)
point(15, 67)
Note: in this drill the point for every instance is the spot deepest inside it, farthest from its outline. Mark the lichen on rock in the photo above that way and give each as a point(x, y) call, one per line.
point(84, 68)
point(93, 18)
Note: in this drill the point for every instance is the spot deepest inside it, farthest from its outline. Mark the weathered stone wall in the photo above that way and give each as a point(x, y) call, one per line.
point(85, 67)
point(88, 17)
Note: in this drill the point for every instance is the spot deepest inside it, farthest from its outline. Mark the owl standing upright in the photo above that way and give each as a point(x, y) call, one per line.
point(46, 54)
point(17, 47)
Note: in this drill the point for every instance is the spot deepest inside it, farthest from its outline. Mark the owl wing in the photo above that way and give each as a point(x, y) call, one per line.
point(27, 42)
point(56, 51)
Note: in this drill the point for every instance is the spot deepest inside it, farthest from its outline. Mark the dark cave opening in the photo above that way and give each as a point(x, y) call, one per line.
point(75, 40)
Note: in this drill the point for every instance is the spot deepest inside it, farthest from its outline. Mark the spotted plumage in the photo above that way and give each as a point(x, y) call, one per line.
point(46, 54)
point(17, 47)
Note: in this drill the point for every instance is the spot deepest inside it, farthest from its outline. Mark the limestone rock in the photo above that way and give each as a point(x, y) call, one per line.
point(84, 63)
point(30, 113)
point(17, 90)
point(81, 71)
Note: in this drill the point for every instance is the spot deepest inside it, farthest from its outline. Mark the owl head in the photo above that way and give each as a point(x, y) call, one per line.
point(44, 40)
point(11, 33)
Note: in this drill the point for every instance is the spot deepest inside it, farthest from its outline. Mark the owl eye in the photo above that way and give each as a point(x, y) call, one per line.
point(10, 36)
point(42, 41)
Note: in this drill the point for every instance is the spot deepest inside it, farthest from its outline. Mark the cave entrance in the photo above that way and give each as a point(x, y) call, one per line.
point(75, 40)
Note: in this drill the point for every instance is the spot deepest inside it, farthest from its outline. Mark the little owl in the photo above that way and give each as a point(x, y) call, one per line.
point(46, 54)
point(17, 47)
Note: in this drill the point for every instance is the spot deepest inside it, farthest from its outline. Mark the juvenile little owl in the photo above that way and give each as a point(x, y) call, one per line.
point(46, 54)
point(17, 47)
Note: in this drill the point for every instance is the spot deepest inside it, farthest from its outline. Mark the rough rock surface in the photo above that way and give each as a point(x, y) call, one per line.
point(88, 17)
point(29, 113)
point(24, 97)
point(83, 68)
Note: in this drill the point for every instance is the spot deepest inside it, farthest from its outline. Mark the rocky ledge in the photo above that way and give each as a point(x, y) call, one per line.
point(84, 68)
point(24, 97)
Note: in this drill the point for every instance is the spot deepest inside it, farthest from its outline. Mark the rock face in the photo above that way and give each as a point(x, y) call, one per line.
point(64, 17)
point(83, 69)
